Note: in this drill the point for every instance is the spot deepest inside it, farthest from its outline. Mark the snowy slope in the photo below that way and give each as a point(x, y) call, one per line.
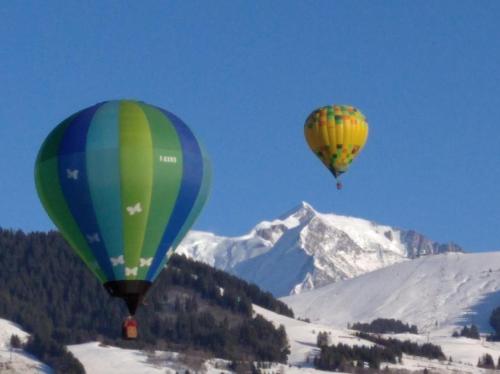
point(99, 359)
point(103, 359)
point(302, 338)
point(305, 249)
point(15, 360)
point(433, 292)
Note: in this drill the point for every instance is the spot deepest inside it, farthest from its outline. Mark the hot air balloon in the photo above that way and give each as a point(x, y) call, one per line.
point(336, 134)
point(123, 181)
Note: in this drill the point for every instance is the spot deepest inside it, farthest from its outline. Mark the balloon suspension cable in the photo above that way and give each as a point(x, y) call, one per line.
point(339, 184)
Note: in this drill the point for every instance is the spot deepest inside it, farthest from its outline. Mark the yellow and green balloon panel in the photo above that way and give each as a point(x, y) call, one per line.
point(336, 134)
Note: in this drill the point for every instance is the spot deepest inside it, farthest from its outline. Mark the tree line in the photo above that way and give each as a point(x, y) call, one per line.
point(342, 357)
point(384, 326)
point(428, 350)
point(49, 292)
point(471, 332)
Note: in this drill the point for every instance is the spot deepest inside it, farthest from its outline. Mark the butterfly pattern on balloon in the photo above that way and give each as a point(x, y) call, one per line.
point(129, 272)
point(119, 260)
point(98, 176)
point(145, 262)
point(93, 238)
point(134, 209)
point(72, 174)
point(123, 202)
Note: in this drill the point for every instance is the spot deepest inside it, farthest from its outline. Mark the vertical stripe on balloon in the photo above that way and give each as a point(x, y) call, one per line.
point(167, 174)
point(103, 169)
point(198, 206)
point(74, 183)
point(52, 197)
point(192, 174)
point(136, 173)
point(123, 181)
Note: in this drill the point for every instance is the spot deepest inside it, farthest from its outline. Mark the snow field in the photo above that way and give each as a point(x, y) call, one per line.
point(436, 293)
point(302, 339)
point(15, 360)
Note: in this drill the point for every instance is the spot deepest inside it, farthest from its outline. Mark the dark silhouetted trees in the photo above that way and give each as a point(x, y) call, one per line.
point(323, 339)
point(428, 350)
point(486, 362)
point(471, 332)
point(54, 354)
point(49, 292)
point(495, 322)
point(342, 357)
point(384, 326)
point(15, 341)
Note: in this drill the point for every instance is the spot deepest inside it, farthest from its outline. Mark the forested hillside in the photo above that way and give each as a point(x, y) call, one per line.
point(49, 292)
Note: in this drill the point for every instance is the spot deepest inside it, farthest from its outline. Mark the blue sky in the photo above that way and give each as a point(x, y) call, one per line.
point(244, 75)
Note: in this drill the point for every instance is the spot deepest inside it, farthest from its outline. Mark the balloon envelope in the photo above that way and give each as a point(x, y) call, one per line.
point(123, 181)
point(336, 134)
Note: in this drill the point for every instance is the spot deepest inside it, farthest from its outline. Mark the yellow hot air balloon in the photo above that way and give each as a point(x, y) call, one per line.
point(336, 134)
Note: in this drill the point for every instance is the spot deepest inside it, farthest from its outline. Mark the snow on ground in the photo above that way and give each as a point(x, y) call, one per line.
point(98, 358)
point(463, 350)
point(302, 336)
point(437, 293)
point(102, 359)
point(466, 350)
point(302, 339)
point(15, 360)
point(289, 369)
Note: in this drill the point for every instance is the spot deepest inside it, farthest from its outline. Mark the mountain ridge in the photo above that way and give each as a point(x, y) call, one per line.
point(304, 249)
point(437, 293)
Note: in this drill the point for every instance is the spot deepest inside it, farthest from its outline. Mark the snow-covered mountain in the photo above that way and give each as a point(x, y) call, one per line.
point(437, 293)
point(463, 351)
point(305, 249)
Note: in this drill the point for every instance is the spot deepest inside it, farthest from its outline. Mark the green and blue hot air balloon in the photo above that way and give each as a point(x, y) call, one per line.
point(123, 181)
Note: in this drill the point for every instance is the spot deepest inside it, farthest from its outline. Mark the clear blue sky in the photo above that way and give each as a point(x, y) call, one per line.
point(244, 75)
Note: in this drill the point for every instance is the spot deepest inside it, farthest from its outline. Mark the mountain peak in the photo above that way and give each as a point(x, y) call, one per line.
point(305, 206)
point(305, 249)
point(303, 212)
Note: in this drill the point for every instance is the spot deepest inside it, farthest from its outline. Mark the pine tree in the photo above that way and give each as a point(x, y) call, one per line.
point(50, 293)
point(15, 342)
point(495, 321)
point(465, 331)
point(322, 339)
point(486, 362)
point(474, 332)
